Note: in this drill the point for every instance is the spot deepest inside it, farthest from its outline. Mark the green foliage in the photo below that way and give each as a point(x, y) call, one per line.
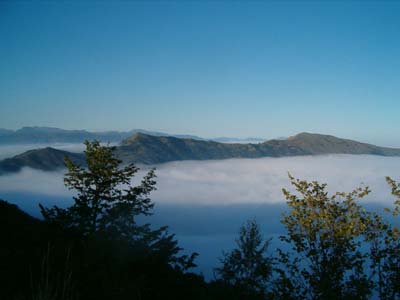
point(395, 189)
point(384, 241)
point(325, 233)
point(106, 202)
point(107, 205)
point(247, 268)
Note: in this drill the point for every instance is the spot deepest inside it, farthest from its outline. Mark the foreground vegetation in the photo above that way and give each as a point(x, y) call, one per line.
point(96, 249)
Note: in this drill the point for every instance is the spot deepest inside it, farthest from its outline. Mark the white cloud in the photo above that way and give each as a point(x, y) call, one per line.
point(35, 182)
point(261, 180)
point(205, 202)
point(236, 181)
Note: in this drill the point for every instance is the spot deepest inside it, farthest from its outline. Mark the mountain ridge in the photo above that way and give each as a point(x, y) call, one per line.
point(147, 149)
point(45, 159)
point(42, 134)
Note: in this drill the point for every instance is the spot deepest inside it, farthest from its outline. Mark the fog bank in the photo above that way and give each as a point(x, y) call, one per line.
point(205, 202)
point(237, 181)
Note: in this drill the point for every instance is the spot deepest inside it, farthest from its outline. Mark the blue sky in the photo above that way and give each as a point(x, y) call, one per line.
point(208, 68)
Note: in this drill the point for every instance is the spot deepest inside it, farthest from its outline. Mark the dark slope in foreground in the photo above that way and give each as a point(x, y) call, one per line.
point(24, 240)
point(46, 159)
point(43, 260)
point(147, 149)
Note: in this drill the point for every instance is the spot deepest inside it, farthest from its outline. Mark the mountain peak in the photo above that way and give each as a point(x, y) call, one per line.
point(137, 137)
point(307, 135)
point(46, 159)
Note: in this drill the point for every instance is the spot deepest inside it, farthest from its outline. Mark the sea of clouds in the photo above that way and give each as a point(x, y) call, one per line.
point(236, 181)
point(205, 202)
point(261, 180)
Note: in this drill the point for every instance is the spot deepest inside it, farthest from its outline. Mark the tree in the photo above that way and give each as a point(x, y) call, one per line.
point(384, 238)
point(247, 267)
point(325, 234)
point(107, 204)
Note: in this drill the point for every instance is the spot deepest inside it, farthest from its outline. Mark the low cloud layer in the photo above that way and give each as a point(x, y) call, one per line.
point(261, 180)
point(30, 181)
point(238, 181)
point(204, 203)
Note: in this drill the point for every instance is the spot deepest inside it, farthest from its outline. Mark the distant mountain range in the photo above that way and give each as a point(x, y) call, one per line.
point(149, 149)
point(36, 135)
point(33, 135)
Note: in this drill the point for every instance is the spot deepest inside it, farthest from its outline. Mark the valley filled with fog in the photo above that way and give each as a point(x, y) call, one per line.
point(205, 202)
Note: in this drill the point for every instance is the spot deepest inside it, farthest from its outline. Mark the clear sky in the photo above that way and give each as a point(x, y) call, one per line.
point(229, 68)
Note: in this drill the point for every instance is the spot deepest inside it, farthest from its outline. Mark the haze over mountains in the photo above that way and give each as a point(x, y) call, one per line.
point(149, 149)
point(36, 134)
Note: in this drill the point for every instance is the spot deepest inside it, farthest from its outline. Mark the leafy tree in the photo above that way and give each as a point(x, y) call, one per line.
point(247, 267)
point(325, 234)
point(384, 239)
point(107, 204)
point(105, 201)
